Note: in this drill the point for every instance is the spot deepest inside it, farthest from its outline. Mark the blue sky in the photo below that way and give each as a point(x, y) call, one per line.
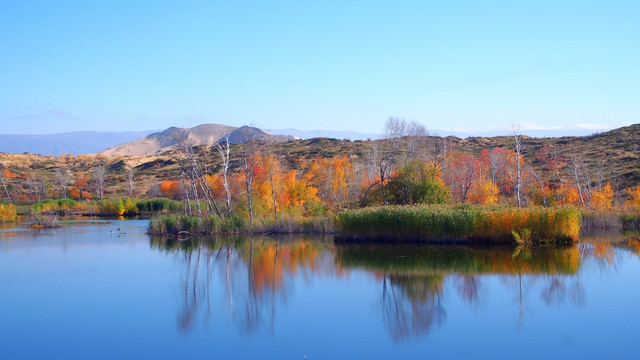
point(335, 65)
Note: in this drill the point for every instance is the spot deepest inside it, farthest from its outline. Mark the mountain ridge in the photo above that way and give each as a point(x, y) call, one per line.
point(91, 142)
point(205, 134)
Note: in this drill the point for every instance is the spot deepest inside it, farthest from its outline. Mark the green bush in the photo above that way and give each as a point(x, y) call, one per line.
point(110, 207)
point(234, 224)
point(54, 204)
point(190, 224)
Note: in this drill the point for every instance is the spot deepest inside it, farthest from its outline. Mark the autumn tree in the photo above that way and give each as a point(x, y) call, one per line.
point(485, 192)
point(633, 202)
point(499, 170)
point(269, 175)
point(463, 174)
point(171, 189)
point(297, 191)
point(567, 194)
point(602, 199)
point(334, 178)
point(5, 175)
point(79, 189)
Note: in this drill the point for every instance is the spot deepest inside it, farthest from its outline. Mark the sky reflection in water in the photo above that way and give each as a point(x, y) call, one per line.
point(106, 290)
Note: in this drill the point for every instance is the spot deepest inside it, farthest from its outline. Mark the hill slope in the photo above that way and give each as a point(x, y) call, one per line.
point(610, 156)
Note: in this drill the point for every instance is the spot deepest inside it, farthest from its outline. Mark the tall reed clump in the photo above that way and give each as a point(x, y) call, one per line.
point(8, 213)
point(459, 223)
point(113, 207)
point(157, 205)
point(297, 225)
point(237, 224)
point(176, 224)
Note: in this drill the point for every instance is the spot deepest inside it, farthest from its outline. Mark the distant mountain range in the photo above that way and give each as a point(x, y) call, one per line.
point(340, 135)
point(354, 135)
point(153, 141)
point(169, 139)
point(79, 142)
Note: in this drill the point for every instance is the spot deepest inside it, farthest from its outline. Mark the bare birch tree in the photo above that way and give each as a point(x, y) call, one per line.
point(577, 161)
point(63, 178)
point(3, 180)
point(249, 163)
point(518, 148)
point(100, 176)
point(131, 174)
point(223, 149)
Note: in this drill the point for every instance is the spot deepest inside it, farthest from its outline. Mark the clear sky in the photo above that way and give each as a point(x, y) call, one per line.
point(335, 65)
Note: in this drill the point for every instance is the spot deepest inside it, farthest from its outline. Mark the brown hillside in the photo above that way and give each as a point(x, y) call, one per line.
point(613, 156)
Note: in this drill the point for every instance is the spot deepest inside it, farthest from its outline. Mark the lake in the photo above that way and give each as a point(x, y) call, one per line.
point(106, 290)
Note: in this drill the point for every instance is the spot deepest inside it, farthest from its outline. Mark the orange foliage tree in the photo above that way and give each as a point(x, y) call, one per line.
point(334, 178)
point(297, 192)
point(567, 195)
point(170, 189)
point(268, 182)
point(78, 190)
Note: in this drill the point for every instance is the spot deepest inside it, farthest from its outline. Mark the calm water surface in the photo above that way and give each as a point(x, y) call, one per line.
point(92, 290)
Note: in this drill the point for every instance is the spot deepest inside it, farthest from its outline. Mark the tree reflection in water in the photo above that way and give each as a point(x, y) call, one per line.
point(413, 277)
point(254, 273)
point(411, 305)
point(255, 277)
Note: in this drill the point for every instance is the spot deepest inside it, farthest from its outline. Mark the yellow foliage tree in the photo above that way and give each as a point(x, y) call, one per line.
point(8, 213)
point(603, 199)
point(485, 192)
point(634, 198)
point(332, 177)
point(297, 191)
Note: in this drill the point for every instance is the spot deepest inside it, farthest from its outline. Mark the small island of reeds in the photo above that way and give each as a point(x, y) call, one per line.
point(461, 223)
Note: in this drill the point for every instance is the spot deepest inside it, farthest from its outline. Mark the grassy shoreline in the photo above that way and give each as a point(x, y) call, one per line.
point(212, 224)
point(433, 223)
point(447, 224)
